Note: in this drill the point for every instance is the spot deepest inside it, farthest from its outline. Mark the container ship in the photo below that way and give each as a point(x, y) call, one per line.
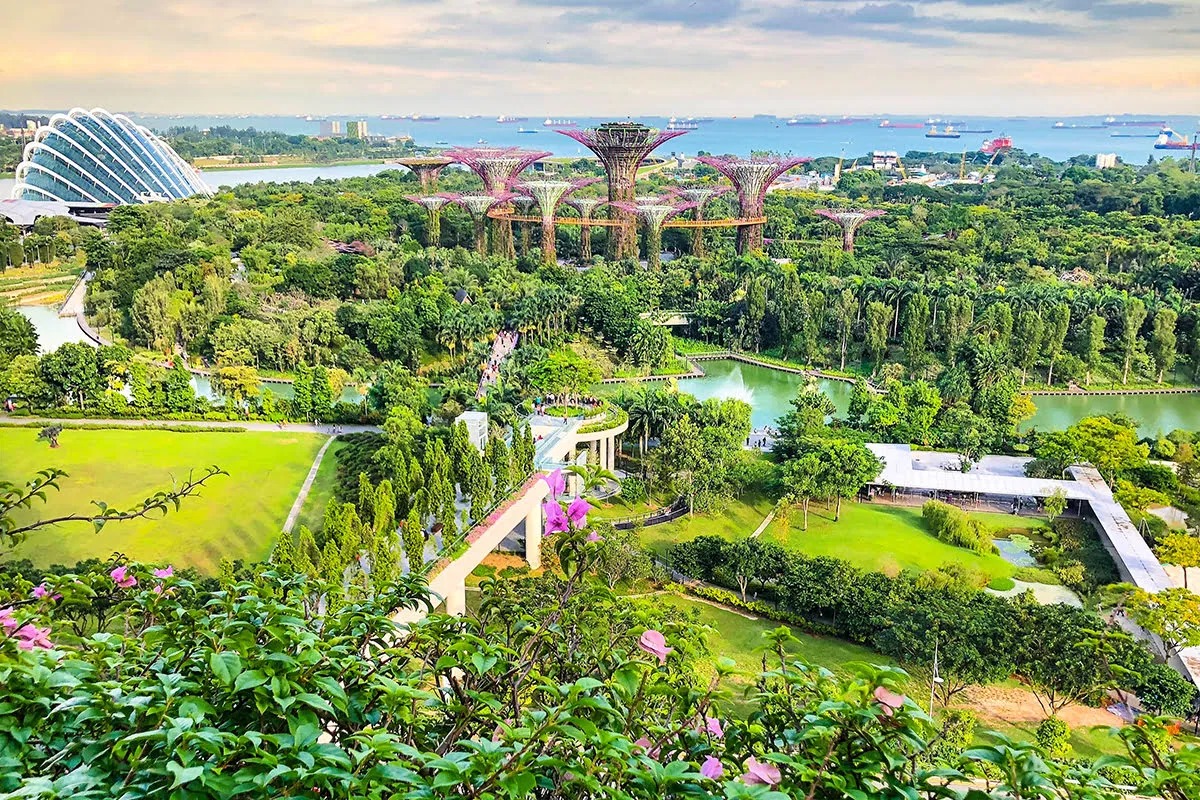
point(887, 123)
point(559, 123)
point(1170, 140)
point(1113, 122)
point(505, 119)
point(947, 132)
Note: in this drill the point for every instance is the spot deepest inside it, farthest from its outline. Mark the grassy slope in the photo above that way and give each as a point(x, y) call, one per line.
point(322, 490)
point(238, 516)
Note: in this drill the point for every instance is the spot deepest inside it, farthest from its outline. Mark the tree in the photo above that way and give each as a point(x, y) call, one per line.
point(1108, 445)
point(680, 454)
point(236, 385)
point(956, 324)
point(916, 324)
point(1163, 341)
point(744, 559)
point(1092, 343)
point(849, 466)
point(1055, 504)
point(620, 556)
point(1050, 653)
point(1133, 314)
point(845, 311)
point(1180, 549)
point(879, 317)
point(71, 373)
point(592, 475)
point(1058, 320)
point(1173, 615)
point(1027, 342)
point(805, 478)
point(302, 392)
point(50, 434)
point(17, 336)
point(500, 463)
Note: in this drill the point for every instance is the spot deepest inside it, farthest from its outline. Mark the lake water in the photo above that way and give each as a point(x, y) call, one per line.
point(770, 392)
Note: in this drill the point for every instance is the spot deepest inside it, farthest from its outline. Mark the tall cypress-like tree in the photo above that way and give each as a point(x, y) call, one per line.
point(879, 317)
point(1163, 341)
point(500, 463)
point(1027, 343)
point(366, 497)
point(1092, 343)
point(284, 554)
point(916, 326)
point(322, 394)
point(302, 392)
point(1058, 320)
point(460, 451)
point(1132, 317)
point(413, 537)
point(307, 555)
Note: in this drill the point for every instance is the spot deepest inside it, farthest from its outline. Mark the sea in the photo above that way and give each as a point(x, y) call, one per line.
point(722, 135)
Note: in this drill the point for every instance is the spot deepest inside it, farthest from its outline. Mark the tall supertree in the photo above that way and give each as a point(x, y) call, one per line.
point(479, 205)
point(524, 204)
point(849, 222)
point(497, 167)
point(426, 168)
point(653, 212)
point(548, 195)
point(699, 196)
point(433, 204)
point(585, 206)
point(751, 177)
point(621, 147)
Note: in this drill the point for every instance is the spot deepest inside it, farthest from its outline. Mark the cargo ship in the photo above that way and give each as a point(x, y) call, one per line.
point(1000, 144)
point(559, 123)
point(682, 125)
point(505, 119)
point(423, 118)
point(1170, 140)
point(887, 123)
point(1113, 122)
point(795, 121)
point(1062, 126)
point(974, 130)
point(945, 133)
point(1133, 135)
point(527, 130)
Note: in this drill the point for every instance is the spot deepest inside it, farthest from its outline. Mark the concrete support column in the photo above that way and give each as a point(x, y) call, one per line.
point(456, 600)
point(533, 536)
point(608, 452)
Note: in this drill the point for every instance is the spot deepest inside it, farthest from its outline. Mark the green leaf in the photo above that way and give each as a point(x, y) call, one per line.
point(183, 774)
point(519, 784)
point(225, 666)
point(483, 663)
point(249, 679)
point(315, 701)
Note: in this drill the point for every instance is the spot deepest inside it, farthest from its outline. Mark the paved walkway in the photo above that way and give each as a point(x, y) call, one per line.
point(298, 505)
point(249, 425)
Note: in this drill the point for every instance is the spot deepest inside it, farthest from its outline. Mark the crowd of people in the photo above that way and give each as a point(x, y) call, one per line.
point(502, 347)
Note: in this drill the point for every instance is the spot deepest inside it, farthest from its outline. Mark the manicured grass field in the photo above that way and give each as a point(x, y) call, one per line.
point(882, 538)
point(736, 520)
point(235, 516)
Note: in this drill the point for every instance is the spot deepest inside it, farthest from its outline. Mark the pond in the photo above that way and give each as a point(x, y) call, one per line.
point(769, 393)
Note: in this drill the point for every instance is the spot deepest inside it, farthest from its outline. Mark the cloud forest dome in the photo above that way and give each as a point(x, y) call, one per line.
point(97, 157)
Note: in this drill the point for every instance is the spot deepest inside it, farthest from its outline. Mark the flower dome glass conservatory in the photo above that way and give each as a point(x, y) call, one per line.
point(98, 157)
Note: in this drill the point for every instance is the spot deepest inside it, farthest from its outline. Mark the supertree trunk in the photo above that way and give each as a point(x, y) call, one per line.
point(653, 247)
point(481, 235)
point(549, 254)
point(698, 234)
point(585, 241)
point(525, 237)
point(434, 233)
point(749, 239)
point(502, 239)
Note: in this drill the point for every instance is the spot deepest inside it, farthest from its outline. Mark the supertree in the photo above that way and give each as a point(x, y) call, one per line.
point(699, 196)
point(433, 204)
point(751, 177)
point(426, 168)
point(653, 213)
point(849, 222)
point(524, 204)
point(548, 195)
point(621, 147)
point(479, 205)
point(585, 206)
point(497, 167)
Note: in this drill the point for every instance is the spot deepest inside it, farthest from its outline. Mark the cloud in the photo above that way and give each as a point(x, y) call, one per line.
point(1126, 11)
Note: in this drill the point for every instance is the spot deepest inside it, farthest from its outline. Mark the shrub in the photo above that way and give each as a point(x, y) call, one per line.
point(1001, 584)
point(633, 490)
point(954, 526)
point(1165, 691)
point(958, 731)
point(1054, 737)
point(1036, 575)
point(1071, 573)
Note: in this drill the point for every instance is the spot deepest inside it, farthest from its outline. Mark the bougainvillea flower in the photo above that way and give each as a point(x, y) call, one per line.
point(556, 482)
point(164, 573)
point(556, 520)
point(713, 726)
point(594, 537)
point(577, 512)
point(646, 745)
point(40, 591)
point(122, 578)
point(7, 620)
point(889, 700)
point(655, 644)
point(761, 773)
point(711, 768)
point(32, 636)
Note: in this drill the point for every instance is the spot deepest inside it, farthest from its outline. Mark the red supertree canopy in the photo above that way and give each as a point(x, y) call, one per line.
point(497, 167)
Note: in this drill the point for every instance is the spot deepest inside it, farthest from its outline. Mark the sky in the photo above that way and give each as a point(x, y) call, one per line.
point(606, 57)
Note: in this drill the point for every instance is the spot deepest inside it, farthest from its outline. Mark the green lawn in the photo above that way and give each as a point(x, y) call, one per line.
point(236, 516)
point(737, 519)
point(883, 538)
point(313, 512)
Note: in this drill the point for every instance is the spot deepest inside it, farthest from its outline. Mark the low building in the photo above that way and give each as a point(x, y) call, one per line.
point(477, 427)
point(1106, 160)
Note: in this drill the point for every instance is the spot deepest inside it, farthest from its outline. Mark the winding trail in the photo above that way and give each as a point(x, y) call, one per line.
point(298, 505)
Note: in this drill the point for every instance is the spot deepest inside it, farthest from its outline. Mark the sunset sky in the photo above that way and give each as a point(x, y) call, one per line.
point(605, 57)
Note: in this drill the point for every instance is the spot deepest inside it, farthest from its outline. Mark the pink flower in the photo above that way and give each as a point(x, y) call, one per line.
point(32, 636)
point(594, 537)
point(646, 745)
point(577, 512)
point(556, 520)
point(164, 573)
point(556, 482)
point(40, 591)
point(713, 726)
point(121, 578)
point(711, 768)
point(655, 644)
point(7, 619)
point(889, 700)
point(761, 773)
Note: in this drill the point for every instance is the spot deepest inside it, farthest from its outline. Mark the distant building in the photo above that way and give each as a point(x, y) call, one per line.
point(1106, 160)
point(356, 129)
point(331, 128)
point(885, 160)
point(477, 427)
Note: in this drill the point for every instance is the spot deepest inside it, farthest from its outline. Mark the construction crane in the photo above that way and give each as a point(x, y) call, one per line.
point(962, 166)
point(900, 166)
point(1001, 144)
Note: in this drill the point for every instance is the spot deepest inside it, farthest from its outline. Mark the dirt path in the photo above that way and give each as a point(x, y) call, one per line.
point(298, 505)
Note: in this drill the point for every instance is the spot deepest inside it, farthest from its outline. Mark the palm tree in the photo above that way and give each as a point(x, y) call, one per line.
point(593, 475)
